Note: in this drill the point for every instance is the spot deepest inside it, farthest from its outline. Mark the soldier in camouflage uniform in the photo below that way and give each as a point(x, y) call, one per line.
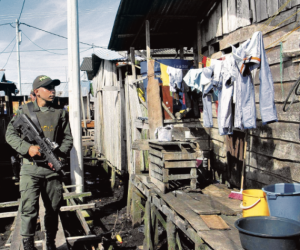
point(39, 177)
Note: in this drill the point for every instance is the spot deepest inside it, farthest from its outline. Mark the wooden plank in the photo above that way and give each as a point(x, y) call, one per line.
point(42, 214)
point(156, 175)
point(173, 177)
point(215, 222)
point(269, 170)
point(273, 7)
point(156, 160)
point(253, 10)
point(245, 33)
point(242, 12)
point(232, 17)
point(8, 214)
point(179, 156)
point(180, 164)
point(223, 242)
point(153, 101)
point(219, 20)
point(295, 2)
point(10, 204)
point(287, 6)
point(75, 207)
point(140, 145)
point(156, 168)
point(73, 195)
point(163, 187)
point(155, 152)
point(225, 23)
point(16, 238)
point(213, 203)
point(183, 210)
point(197, 206)
point(261, 10)
point(230, 203)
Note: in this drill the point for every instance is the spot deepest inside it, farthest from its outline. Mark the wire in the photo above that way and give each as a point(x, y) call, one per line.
point(38, 50)
point(21, 10)
point(8, 46)
point(40, 46)
point(5, 24)
point(60, 35)
point(9, 56)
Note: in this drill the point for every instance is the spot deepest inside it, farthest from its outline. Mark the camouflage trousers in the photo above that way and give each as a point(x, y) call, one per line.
point(50, 189)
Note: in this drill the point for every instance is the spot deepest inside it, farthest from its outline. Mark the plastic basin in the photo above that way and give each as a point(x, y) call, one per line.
point(269, 233)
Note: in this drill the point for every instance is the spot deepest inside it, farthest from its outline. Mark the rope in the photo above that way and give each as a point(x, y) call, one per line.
point(281, 68)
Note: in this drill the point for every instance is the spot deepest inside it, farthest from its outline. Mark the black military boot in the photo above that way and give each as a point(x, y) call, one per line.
point(50, 241)
point(28, 243)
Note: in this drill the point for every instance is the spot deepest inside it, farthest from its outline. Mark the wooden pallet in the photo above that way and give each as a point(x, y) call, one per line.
point(172, 161)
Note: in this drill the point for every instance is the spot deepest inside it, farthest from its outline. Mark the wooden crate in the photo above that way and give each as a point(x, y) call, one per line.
point(172, 163)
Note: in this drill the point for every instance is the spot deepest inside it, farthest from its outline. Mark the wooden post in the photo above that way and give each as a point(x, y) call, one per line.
point(136, 213)
point(129, 197)
point(88, 112)
point(148, 244)
point(199, 45)
point(193, 181)
point(178, 242)
point(199, 244)
point(113, 178)
point(171, 235)
point(181, 52)
point(147, 25)
point(155, 114)
point(154, 224)
point(132, 59)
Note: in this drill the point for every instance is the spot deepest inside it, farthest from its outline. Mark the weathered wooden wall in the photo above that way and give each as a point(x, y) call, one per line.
point(273, 150)
point(109, 120)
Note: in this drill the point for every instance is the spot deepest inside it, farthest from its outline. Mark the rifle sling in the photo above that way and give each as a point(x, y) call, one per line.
point(34, 118)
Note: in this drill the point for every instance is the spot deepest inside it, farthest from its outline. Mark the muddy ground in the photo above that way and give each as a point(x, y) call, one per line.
point(108, 218)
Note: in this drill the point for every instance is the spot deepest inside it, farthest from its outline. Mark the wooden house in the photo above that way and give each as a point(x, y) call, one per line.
point(210, 27)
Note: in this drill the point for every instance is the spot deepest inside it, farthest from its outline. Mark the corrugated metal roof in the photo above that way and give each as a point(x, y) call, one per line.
point(109, 55)
point(86, 64)
point(62, 90)
point(172, 23)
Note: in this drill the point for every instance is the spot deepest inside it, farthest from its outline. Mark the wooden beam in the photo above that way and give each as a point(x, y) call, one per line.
point(171, 229)
point(73, 195)
point(147, 25)
point(75, 207)
point(199, 44)
point(10, 204)
point(8, 214)
point(132, 59)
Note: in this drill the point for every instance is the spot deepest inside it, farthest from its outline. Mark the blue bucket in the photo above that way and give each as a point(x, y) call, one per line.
point(175, 63)
point(284, 200)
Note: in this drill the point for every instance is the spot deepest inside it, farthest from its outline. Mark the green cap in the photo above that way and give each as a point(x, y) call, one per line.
point(42, 81)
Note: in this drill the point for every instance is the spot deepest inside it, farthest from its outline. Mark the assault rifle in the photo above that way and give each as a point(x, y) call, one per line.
point(29, 130)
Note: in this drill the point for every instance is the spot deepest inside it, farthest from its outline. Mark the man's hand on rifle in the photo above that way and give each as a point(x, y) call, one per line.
point(34, 150)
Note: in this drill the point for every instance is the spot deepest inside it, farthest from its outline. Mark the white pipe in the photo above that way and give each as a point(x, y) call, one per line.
point(74, 96)
point(18, 56)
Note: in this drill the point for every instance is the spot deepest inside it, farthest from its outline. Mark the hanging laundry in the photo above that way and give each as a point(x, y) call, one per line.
point(192, 79)
point(164, 75)
point(254, 57)
point(207, 88)
point(225, 118)
point(175, 77)
point(208, 62)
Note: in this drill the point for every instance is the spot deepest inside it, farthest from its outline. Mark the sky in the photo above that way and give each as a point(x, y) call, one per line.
point(96, 19)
